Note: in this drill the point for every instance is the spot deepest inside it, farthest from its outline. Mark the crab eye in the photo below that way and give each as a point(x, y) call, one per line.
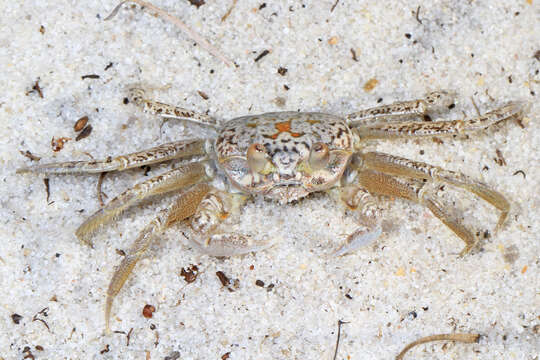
point(257, 157)
point(319, 155)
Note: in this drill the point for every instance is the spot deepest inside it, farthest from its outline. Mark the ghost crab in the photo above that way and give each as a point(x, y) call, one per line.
point(284, 156)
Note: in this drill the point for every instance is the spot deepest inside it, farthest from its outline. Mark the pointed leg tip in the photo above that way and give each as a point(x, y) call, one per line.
point(84, 237)
point(84, 240)
point(502, 220)
point(466, 250)
point(108, 306)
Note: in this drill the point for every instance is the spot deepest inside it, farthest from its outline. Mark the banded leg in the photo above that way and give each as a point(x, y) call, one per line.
point(210, 231)
point(389, 130)
point(359, 199)
point(422, 193)
point(137, 96)
point(183, 207)
point(394, 165)
point(161, 153)
point(171, 180)
point(400, 110)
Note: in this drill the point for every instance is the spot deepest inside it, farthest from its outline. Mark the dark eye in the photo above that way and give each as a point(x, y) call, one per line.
point(318, 157)
point(258, 148)
point(257, 157)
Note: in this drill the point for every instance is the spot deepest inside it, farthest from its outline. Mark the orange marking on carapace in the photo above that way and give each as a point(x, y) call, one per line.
point(285, 126)
point(224, 215)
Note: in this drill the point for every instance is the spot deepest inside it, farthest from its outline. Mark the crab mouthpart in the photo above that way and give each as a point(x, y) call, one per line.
point(287, 193)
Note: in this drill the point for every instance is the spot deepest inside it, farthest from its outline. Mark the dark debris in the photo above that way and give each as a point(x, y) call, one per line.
point(353, 53)
point(499, 159)
point(203, 95)
point(47, 188)
point(175, 355)
point(520, 172)
point(90, 76)
point(29, 155)
point(231, 285)
point(261, 55)
point(105, 349)
point(16, 318)
point(197, 3)
point(190, 274)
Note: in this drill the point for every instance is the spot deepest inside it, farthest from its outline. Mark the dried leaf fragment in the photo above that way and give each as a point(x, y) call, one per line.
point(370, 85)
point(81, 123)
point(202, 94)
point(333, 40)
point(148, 311)
point(223, 278)
point(58, 144)
point(231, 285)
point(84, 133)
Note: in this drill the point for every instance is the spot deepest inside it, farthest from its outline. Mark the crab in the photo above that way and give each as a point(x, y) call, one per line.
point(284, 156)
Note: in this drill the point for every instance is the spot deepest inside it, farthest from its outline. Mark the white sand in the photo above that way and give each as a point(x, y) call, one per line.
point(409, 284)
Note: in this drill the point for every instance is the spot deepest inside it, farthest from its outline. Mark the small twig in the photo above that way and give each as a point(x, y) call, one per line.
point(193, 35)
point(334, 6)
point(37, 88)
point(354, 55)
point(475, 107)
point(339, 323)
point(465, 338)
point(418, 14)
point(90, 76)
point(490, 97)
point(47, 188)
point(44, 313)
point(520, 172)
point(129, 336)
point(224, 17)
point(100, 193)
point(261, 55)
